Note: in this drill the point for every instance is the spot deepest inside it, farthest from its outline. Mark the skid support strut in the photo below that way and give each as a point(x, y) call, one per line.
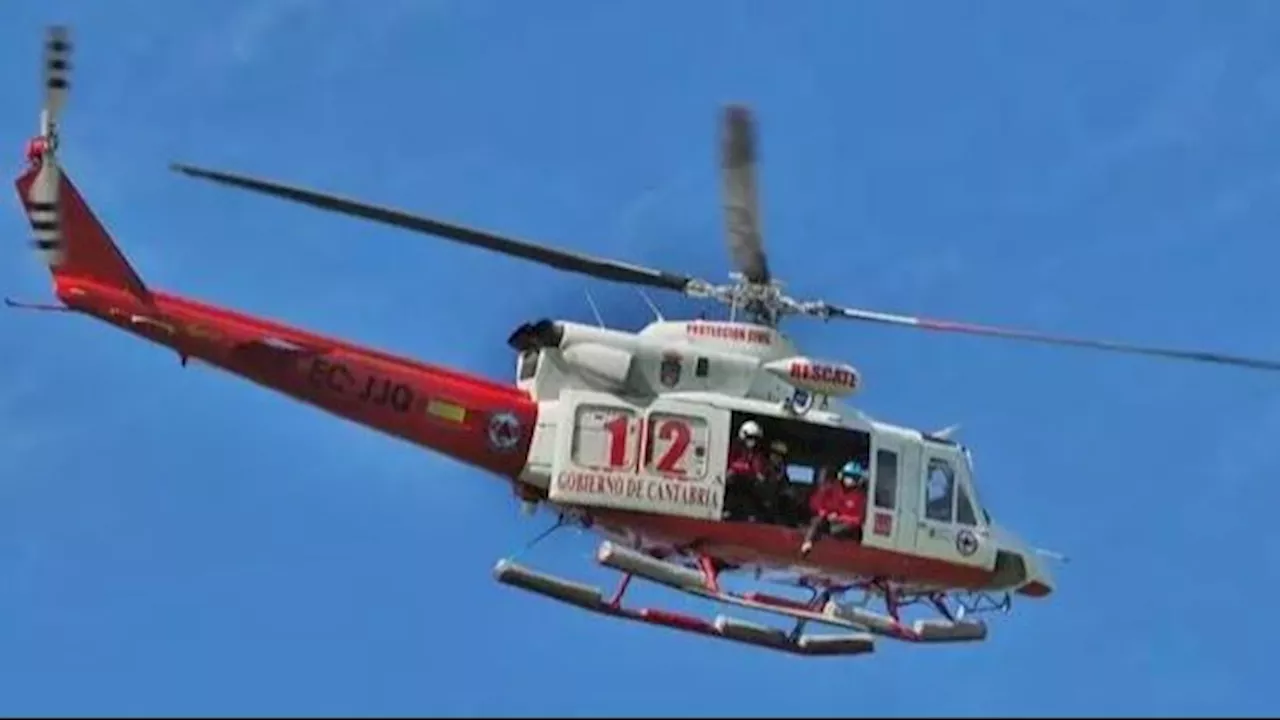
point(702, 582)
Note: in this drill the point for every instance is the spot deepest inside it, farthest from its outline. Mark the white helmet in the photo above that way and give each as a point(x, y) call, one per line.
point(750, 432)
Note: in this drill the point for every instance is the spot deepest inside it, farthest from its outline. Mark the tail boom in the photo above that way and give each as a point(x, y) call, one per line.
point(477, 421)
point(474, 420)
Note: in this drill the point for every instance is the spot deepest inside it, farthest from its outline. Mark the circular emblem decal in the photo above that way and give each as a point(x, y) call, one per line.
point(966, 543)
point(504, 431)
point(801, 401)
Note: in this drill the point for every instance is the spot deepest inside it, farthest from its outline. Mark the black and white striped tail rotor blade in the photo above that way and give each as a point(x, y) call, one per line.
point(922, 323)
point(57, 72)
point(43, 208)
point(43, 211)
point(741, 203)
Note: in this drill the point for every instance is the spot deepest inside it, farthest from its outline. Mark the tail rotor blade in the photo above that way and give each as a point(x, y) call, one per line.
point(44, 210)
point(42, 204)
point(57, 70)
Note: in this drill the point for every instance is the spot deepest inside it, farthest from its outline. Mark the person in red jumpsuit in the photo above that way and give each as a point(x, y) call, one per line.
point(748, 465)
point(769, 483)
point(839, 507)
point(774, 489)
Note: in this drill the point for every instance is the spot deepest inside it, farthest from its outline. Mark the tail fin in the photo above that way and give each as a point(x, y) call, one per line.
point(71, 239)
point(67, 235)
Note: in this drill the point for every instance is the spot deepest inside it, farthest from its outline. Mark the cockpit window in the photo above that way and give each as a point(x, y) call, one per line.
point(940, 487)
point(528, 364)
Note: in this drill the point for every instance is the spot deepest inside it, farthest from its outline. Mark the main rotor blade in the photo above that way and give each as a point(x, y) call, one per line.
point(564, 260)
point(1009, 334)
point(741, 204)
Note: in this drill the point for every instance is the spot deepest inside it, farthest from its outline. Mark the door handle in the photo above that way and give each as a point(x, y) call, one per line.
point(933, 530)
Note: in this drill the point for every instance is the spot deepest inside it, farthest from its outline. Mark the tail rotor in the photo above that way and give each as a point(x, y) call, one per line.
point(42, 200)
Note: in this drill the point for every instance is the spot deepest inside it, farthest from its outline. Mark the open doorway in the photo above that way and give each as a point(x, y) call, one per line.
point(794, 457)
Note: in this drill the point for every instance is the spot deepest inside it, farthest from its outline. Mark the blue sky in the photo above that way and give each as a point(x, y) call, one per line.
point(176, 541)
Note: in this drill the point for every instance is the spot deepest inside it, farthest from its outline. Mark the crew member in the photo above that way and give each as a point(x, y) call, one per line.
point(772, 491)
point(747, 466)
point(839, 507)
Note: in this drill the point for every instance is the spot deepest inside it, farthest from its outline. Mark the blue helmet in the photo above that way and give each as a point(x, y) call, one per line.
point(853, 469)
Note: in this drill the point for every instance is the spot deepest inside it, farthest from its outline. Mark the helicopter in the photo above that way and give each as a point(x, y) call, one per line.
point(629, 435)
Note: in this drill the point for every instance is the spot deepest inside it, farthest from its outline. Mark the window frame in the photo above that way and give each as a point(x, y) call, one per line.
point(649, 436)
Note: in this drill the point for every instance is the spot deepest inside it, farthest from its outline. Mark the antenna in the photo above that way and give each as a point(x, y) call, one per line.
point(656, 313)
point(945, 433)
point(594, 310)
point(1053, 555)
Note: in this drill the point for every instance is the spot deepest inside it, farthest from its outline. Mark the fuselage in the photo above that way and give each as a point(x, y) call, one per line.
point(726, 372)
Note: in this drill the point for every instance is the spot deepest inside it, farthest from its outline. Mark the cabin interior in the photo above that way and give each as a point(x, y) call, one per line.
point(812, 454)
point(816, 452)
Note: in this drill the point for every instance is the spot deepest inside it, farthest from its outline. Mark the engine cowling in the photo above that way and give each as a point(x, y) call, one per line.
point(604, 364)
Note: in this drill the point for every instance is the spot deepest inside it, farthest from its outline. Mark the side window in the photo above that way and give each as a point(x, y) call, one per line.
point(604, 438)
point(964, 508)
point(939, 492)
point(701, 367)
point(677, 445)
point(886, 494)
point(609, 439)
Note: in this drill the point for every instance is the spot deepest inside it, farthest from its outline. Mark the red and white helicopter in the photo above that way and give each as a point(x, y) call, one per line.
point(628, 434)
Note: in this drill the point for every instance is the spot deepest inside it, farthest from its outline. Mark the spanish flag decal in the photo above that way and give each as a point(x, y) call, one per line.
point(446, 410)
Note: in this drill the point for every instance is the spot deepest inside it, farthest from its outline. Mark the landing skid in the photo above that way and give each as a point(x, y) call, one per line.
point(823, 609)
point(591, 598)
